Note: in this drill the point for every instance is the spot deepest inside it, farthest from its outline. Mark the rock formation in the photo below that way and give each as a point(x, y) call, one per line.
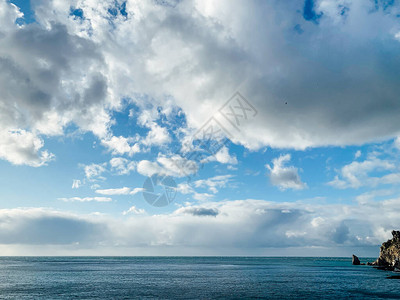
point(355, 260)
point(389, 256)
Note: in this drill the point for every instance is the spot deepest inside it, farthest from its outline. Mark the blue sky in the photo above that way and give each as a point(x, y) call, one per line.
point(97, 98)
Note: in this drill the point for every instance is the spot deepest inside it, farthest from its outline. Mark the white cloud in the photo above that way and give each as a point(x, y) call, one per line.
point(251, 226)
point(212, 184)
point(119, 191)
point(134, 210)
point(121, 145)
point(284, 177)
point(94, 171)
point(202, 196)
point(358, 174)
point(122, 166)
point(174, 165)
point(86, 199)
point(157, 135)
point(368, 197)
point(184, 188)
point(62, 70)
point(58, 81)
point(357, 154)
point(8, 14)
point(148, 168)
point(21, 147)
point(223, 157)
point(95, 186)
point(397, 142)
point(76, 184)
point(135, 191)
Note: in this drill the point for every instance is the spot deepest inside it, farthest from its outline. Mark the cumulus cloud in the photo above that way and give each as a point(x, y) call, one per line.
point(121, 145)
point(223, 157)
point(21, 147)
point(284, 177)
point(94, 171)
point(58, 81)
point(211, 184)
point(194, 55)
point(62, 70)
point(193, 46)
point(358, 174)
point(157, 135)
point(174, 165)
point(122, 166)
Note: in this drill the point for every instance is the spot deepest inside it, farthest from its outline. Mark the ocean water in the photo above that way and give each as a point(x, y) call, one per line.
point(192, 278)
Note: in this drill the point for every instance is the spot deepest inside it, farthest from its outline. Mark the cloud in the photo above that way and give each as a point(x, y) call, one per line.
point(134, 210)
point(86, 199)
point(368, 197)
point(136, 190)
point(94, 171)
point(122, 166)
point(8, 14)
point(198, 211)
point(157, 135)
point(119, 191)
point(109, 192)
point(57, 82)
point(240, 226)
point(213, 183)
point(284, 177)
point(336, 96)
point(396, 143)
point(358, 174)
point(223, 157)
point(121, 145)
point(76, 183)
point(21, 147)
point(185, 189)
point(79, 70)
point(174, 165)
point(202, 196)
point(37, 226)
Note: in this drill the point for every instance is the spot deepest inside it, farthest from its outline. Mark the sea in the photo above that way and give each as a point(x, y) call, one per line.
point(193, 278)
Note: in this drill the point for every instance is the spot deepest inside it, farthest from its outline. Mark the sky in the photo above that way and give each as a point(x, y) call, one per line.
point(264, 127)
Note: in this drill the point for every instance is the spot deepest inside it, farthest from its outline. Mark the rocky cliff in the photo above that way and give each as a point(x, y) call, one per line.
point(389, 256)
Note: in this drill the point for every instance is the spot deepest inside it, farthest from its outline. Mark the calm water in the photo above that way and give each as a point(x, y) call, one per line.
point(191, 277)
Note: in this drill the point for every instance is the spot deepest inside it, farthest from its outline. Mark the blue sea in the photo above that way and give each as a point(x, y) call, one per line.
point(192, 278)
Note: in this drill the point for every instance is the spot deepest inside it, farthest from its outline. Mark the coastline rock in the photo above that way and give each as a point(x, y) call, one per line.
point(389, 256)
point(355, 261)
